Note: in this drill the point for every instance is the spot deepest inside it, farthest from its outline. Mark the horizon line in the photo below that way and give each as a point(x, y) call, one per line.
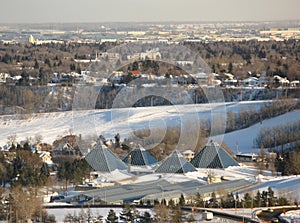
point(155, 21)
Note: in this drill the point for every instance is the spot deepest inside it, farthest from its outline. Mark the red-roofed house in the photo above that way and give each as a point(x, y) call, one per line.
point(135, 73)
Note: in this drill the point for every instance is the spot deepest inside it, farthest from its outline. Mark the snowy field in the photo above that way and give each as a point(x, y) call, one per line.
point(125, 120)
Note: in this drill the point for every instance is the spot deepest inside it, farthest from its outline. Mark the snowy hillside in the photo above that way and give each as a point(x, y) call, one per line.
point(125, 120)
point(245, 138)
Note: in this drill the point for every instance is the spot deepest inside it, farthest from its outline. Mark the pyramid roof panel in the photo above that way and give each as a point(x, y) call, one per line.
point(104, 160)
point(175, 163)
point(213, 156)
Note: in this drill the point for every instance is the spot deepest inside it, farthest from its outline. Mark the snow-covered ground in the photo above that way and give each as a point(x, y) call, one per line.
point(292, 216)
point(126, 120)
point(110, 122)
point(245, 138)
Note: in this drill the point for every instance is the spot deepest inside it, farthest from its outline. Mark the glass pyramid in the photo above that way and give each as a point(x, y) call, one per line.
point(140, 157)
point(103, 159)
point(213, 156)
point(175, 163)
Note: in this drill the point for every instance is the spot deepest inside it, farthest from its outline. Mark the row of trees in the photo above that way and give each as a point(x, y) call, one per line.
point(278, 136)
point(34, 99)
point(162, 213)
point(171, 211)
point(264, 198)
point(288, 162)
point(22, 205)
point(74, 171)
point(247, 117)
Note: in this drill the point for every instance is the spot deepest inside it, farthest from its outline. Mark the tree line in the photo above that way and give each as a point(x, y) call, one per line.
point(247, 117)
point(277, 137)
point(171, 211)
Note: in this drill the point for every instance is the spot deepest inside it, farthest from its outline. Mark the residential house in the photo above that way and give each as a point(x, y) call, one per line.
point(64, 148)
point(281, 81)
point(46, 157)
point(188, 155)
point(295, 83)
point(251, 82)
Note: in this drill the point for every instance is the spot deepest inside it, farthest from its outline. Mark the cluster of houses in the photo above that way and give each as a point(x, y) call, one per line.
point(225, 80)
point(121, 78)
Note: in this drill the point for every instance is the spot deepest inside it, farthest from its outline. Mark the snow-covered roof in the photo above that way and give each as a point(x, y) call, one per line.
point(251, 79)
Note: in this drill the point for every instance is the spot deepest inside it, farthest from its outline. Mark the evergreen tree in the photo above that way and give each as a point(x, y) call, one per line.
point(126, 215)
point(146, 218)
point(117, 140)
point(181, 201)
point(271, 198)
point(111, 217)
point(230, 68)
point(36, 64)
point(247, 201)
point(199, 202)
point(177, 215)
point(213, 202)
point(44, 174)
point(171, 203)
point(257, 199)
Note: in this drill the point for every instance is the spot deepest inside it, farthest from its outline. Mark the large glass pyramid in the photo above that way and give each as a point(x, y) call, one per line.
point(140, 157)
point(103, 159)
point(175, 163)
point(213, 156)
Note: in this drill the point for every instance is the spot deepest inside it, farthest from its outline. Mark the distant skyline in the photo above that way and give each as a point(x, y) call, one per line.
point(63, 11)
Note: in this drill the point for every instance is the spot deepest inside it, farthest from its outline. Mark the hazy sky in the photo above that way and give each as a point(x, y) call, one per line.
point(147, 10)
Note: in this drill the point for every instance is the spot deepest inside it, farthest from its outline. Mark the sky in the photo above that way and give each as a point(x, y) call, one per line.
point(40, 11)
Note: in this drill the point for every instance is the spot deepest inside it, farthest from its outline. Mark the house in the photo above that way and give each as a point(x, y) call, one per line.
point(184, 62)
point(46, 157)
point(7, 147)
point(282, 81)
point(230, 83)
point(188, 155)
point(201, 77)
point(150, 55)
point(64, 148)
point(295, 83)
point(246, 157)
point(3, 77)
point(251, 82)
point(135, 73)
